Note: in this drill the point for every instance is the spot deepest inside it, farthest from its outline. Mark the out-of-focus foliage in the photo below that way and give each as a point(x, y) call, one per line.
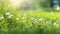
point(45, 3)
point(28, 22)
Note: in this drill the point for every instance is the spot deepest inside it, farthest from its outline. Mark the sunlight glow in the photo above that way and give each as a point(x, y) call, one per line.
point(17, 2)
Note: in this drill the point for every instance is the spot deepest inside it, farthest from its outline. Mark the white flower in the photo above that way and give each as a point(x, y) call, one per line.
point(47, 22)
point(23, 17)
point(41, 19)
point(34, 21)
point(10, 16)
point(24, 14)
point(1, 17)
point(17, 18)
point(54, 23)
point(7, 13)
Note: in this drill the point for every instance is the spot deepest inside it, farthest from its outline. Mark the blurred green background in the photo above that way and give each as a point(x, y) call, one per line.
point(29, 17)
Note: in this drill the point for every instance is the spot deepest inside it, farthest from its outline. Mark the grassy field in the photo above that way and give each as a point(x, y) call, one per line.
point(30, 22)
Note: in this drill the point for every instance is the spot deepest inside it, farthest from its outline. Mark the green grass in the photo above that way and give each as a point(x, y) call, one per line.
point(30, 22)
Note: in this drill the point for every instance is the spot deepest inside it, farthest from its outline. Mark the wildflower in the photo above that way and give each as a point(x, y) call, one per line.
point(32, 18)
point(23, 17)
point(7, 13)
point(17, 19)
point(34, 21)
point(54, 23)
point(1, 17)
point(41, 19)
point(10, 16)
point(47, 22)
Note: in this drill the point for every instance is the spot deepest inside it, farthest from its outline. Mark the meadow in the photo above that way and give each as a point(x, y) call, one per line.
point(30, 22)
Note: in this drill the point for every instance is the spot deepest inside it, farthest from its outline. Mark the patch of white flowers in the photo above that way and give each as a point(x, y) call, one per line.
point(41, 19)
point(9, 15)
point(24, 18)
point(34, 21)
